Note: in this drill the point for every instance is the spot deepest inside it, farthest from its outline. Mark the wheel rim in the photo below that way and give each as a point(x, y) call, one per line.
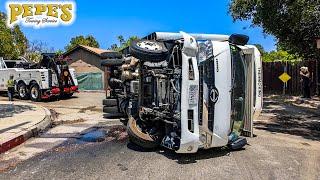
point(137, 130)
point(149, 45)
point(34, 93)
point(22, 91)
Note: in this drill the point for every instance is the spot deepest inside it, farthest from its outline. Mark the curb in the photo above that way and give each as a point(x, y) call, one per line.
point(28, 133)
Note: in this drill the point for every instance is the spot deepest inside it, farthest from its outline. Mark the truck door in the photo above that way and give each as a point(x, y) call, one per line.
point(257, 81)
point(250, 94)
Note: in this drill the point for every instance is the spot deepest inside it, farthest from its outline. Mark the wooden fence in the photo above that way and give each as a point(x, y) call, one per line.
point(272, 83)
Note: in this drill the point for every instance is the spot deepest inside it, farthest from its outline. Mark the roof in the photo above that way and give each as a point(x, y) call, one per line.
point(93, 50)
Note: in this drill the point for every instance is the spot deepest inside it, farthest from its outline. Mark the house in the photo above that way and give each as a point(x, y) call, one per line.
point(87, 63)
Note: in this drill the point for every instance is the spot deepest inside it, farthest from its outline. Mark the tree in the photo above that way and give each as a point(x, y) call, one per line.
point(295, 24)
point(81, 40)
point(123, 43)
point(260, 48)
point(59, 52)
point(13, 42)
point(281, 56)
point(35, 49)
point(121, 40)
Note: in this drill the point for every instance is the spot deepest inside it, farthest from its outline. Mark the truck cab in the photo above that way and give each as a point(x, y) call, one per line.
point(190, 91)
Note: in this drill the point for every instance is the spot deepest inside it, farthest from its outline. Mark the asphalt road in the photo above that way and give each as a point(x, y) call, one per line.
point(279, 151)
point(277, 157)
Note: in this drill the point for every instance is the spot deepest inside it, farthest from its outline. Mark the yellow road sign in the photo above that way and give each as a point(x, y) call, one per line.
point(284, 77)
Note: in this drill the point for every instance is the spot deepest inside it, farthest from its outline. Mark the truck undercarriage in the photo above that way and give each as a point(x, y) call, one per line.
point(167, 89)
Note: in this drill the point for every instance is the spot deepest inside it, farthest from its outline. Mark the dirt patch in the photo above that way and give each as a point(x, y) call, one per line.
point(90, 108)
point(117, 133)
point(283, 116)
point(54, 114)
point(6, 165)
point(56, 123)
point(113, 134)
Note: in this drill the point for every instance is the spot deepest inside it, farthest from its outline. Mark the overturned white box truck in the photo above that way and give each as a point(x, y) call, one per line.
point(188, 91)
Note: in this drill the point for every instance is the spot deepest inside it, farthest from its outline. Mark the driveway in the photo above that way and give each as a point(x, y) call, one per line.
point(82, 106)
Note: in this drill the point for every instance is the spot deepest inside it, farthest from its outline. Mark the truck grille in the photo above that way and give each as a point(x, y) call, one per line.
point(207, 75)
point(200, 93)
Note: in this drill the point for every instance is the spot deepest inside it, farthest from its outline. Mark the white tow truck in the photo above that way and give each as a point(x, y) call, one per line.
point(35, 83)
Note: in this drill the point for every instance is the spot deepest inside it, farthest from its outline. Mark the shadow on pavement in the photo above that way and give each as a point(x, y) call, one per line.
point(185, 158)
point(13, 127)
point(8, 110)
point(194, 158)
point(289, 119)
point(54, 99)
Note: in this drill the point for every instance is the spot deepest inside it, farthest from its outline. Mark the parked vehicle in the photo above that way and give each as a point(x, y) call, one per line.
point(67, 81)
point(189, 91)
point(43, 80)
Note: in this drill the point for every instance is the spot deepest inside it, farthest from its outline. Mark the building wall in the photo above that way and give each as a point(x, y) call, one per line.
point(82, 67)
point(87, 57)
point(85, 62)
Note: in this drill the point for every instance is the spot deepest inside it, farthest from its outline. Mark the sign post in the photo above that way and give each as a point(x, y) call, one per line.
point(284, 77)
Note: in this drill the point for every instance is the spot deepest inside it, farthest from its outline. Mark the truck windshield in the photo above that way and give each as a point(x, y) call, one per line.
point(238, 89)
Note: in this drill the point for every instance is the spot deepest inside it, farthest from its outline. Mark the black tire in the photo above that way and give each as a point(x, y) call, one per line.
point(113, 109)
point(114, 115)
point(112, 62)
point(111, 55)
point(68, 95)
point(138, 137)
point(145, 54)
point(22, 91)
point(110, 102)
point(35, 93)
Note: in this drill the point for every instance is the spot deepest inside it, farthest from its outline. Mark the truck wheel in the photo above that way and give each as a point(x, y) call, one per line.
point(22, 91)
point(148, 50)
point(113, 109)
point(35, 93)
point(112, 62)
point(110, 102)
point(111, 55)
point(68, 95)
point(138, 137)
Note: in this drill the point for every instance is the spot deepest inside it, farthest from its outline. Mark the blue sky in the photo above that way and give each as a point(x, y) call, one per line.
point(105, 20)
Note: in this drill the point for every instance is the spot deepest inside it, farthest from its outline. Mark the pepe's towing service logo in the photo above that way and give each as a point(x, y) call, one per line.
point(40, 14)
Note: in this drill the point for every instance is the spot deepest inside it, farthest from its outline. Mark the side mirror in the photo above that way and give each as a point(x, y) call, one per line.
point(239, 39)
